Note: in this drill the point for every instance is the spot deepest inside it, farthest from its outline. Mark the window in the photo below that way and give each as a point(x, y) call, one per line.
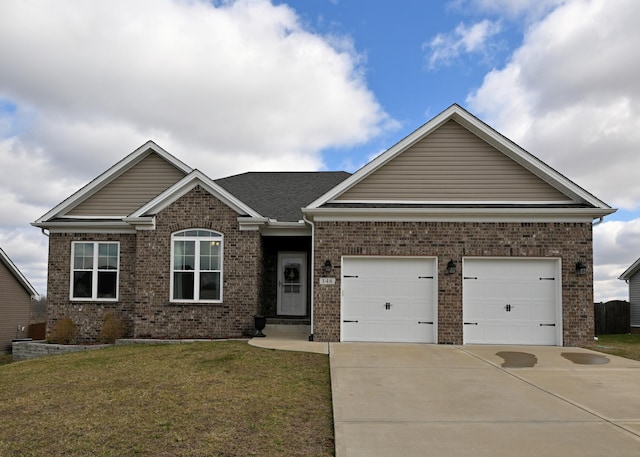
point(94, 270)
point(196, 266)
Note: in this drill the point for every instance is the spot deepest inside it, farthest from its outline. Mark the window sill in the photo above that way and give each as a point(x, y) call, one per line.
point(94, 300)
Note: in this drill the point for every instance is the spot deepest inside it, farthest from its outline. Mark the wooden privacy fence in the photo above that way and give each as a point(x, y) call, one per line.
point(612, 317)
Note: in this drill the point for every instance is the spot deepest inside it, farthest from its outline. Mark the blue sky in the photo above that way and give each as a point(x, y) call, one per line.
point(393, 42)
point(233, 86)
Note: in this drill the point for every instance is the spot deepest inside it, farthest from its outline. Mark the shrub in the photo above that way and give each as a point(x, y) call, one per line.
point(112, 329)
point(64, 332)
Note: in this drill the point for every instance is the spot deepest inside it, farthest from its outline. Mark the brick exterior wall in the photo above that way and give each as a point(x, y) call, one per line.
point(155, 316)
point(571, 242)
point(88, 315)
point(144, 301)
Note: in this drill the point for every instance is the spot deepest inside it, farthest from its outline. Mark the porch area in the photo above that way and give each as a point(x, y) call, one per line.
point(287, 337)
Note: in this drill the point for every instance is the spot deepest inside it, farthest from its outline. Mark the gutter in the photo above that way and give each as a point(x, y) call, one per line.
point(313, 281)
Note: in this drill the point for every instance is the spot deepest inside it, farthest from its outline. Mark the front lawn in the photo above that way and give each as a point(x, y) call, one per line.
point(199, 399)
point(625, 345)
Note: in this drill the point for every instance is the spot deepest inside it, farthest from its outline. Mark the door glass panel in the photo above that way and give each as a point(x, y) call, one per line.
point(292, 278)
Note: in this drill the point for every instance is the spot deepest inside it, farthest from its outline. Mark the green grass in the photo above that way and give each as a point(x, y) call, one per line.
point(201, 399)
point(626, 345)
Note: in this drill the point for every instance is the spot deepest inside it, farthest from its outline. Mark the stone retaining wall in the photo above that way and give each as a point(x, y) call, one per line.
point(24, 350)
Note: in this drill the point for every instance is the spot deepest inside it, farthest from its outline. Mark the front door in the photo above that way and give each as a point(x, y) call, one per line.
point(292, 283)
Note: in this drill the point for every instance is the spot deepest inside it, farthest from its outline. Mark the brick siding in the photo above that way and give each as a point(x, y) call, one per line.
point(88, 315)
point(571, 242)
point(144, 302)
point(155, 316)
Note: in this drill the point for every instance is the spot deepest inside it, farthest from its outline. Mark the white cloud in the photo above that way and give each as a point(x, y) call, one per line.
point(570, 95)
point(25, 249)
point(513, 9)
point(447, 47)
point(218, 77)
point(616, 247)
point(225, 86)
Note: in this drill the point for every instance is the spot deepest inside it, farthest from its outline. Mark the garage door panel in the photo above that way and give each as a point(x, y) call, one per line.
point(507, 300)
point(389, 298)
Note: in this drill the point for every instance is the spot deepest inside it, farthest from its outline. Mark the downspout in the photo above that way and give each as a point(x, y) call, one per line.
point(313, 251)
point(42, 229)
point(598, 222)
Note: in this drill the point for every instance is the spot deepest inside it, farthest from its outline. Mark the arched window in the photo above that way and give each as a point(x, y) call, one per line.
point(196, 266)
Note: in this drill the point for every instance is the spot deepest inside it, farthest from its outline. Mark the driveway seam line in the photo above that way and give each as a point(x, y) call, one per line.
point(559, 397)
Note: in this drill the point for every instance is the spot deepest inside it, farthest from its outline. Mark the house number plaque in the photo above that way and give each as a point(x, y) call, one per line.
point(327, 281)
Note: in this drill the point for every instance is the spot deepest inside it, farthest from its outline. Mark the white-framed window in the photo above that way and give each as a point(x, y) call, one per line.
point(95, 267)
point(196, 266)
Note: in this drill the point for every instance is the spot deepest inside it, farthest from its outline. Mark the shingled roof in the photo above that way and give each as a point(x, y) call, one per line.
point(281, 195)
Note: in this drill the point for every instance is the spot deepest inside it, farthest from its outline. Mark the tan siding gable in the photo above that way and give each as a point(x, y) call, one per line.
point(452, 164)
point(14, 307)
point(129, 191)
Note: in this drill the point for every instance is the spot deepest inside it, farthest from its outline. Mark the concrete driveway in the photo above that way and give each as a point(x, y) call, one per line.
point(436, 400)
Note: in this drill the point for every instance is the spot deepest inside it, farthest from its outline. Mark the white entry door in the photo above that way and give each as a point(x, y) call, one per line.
point(512, 301)
point(389, 299)
point(292, 283)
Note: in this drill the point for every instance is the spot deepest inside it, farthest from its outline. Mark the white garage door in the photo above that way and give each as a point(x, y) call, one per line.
point(512, 301)
point(390, 299)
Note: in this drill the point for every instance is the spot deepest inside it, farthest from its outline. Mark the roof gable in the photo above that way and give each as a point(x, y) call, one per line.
point(631, 271)
point(130, 190)
point(123, 187)
point(451, 165)
point(13, 269)
point(479, 139)
point(182, 187)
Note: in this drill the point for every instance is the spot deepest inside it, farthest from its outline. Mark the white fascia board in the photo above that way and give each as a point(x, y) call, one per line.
point(629, 272)
point(275, 228)
point(454, 202)
point(583, 215)
point(252, 223)
point(484, 131)
point(18, 274)
point(525, 158)
point(186, 184)
point(116, 227)
point(141, 223)
point(111, 174)
point(271, 227)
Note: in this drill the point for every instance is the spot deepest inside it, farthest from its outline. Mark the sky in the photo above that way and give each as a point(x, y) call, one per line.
point(288, 85)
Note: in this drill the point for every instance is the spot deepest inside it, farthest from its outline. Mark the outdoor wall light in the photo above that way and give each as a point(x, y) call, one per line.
point(327, 266)
point(451, 267)
point(581, 268)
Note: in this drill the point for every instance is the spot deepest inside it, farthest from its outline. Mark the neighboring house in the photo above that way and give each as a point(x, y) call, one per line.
point(16, 294)
point(631, 277)
point(454, 235)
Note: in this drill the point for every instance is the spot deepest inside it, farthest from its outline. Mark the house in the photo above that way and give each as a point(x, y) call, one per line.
point(455, 235)
point(16, 294)
point(632, 278)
